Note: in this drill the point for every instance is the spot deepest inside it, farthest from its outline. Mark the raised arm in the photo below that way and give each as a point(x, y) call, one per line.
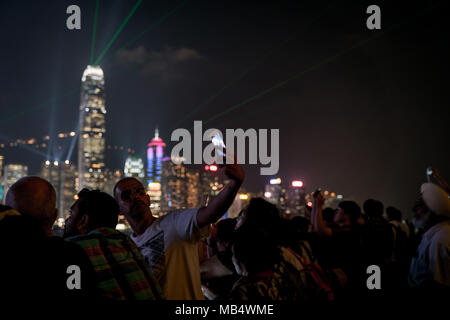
point(220, 204)
point(319, 225)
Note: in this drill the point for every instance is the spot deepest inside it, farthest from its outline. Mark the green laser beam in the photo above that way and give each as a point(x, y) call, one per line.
point(94, 31)
point(314, 67)
point(116, 34)
point(151, 26)
point(43, 105)
point(253, 66)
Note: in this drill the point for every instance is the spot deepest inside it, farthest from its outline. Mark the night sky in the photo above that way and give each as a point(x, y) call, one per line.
point(362, 113)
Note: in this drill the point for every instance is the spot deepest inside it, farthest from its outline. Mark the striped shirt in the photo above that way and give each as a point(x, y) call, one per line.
point(121, 271)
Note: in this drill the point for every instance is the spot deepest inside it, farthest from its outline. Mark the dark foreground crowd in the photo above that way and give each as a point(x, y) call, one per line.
point(331, 254)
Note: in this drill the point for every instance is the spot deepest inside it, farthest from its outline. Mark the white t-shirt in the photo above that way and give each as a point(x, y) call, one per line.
point(169, 246)
point(433, 257)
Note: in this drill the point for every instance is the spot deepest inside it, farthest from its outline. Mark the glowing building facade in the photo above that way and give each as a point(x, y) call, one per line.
point(155, 153)
point(60, 175)
point(134, 167)
point(12, 173)
point(173, 187)
point(91, 140)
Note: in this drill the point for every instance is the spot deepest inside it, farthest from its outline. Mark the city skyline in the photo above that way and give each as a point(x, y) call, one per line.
point(360, 112)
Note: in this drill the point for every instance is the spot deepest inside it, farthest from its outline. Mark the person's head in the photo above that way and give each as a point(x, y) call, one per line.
point(34, 197)
point(431, 207)
point(373, 208)
point(393, 214)
point(259, 213)
point(92, 210)
point(133, 200)
point(254, 251)
point(347, 213)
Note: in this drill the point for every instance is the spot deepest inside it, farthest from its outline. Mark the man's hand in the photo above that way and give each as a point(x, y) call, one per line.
point(319, 200)
point(220, 204)
point(233, 171)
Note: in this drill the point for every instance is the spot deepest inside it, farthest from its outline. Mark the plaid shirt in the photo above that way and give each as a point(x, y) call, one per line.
point(121, 270)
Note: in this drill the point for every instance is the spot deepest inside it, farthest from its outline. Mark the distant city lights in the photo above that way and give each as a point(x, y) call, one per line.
point(297, 183)
point(275, 181)
point(243, 196)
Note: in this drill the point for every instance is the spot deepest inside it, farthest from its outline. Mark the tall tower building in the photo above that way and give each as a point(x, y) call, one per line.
point(155, 153)
point(91, 143)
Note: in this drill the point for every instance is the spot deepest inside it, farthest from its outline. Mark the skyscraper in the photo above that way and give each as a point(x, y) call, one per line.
point(12, 173)
point(134, 167)
point(155, 153)
point(174, 186)
point(275, 193)
point(91, 143)
point(61, 176)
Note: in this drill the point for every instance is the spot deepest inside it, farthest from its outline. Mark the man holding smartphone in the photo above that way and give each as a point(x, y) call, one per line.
point(169, 243)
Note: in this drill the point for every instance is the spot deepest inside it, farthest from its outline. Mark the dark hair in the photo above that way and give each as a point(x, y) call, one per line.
point(255, 249)
point(393, 214)
point(225, 229)
point(100, 207)
point(262, 213)
point(328, 215)
point(352, 209)
point(373, 208)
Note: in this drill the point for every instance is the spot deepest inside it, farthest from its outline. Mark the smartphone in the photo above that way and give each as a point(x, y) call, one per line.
point(217, 141)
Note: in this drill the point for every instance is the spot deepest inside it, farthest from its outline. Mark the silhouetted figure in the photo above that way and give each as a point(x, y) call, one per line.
point(42, 254)
point(430, 267)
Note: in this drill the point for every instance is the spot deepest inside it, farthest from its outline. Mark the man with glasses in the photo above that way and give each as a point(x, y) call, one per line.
point(169, 243)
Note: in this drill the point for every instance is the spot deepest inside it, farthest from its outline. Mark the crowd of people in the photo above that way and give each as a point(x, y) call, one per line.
point(329, 254)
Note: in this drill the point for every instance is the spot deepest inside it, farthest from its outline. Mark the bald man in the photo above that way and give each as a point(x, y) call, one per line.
point(36, 198)
point(50, 258)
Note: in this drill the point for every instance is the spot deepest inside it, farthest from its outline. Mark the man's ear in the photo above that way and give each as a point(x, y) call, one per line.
point(83, 224)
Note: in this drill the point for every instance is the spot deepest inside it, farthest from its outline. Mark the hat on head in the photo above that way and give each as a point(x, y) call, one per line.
point(436, 199)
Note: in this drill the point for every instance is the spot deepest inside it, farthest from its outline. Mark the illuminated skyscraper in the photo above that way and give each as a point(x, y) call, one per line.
point(12, 173)
point(91, 143)
point(62, 176)
point(134, 167)
point(155, 153)
point(174, 186)
point(193, 189)
point(275, 193)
